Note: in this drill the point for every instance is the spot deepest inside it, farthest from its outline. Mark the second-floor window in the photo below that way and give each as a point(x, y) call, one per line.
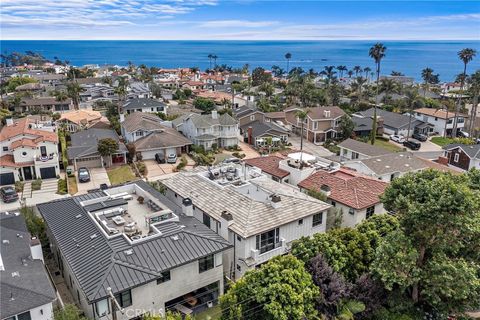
point(206, 220)
point(315, 125)
point(268, 240)
point(5, 148)
point(317, 219)
point(354, 155)
point(206, 263)
point(370, 211)
point(139, 133)
point(164, 278)
point(460, 120)
point(43, 151)
point(124, 298)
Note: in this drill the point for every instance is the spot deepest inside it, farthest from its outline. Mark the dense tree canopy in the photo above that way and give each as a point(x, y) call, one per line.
point(204, 104)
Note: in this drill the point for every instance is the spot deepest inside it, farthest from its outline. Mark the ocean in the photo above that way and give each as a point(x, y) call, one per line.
point(408, 57)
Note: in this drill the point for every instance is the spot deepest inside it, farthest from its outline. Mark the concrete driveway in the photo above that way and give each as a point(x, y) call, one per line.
point(309, 147)
point(97, 177)
point(156, 170)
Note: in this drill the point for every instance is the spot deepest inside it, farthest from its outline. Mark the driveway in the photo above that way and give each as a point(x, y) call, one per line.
point(428, 149)
point(309, 147)
point(97, 177)
point(156, 170)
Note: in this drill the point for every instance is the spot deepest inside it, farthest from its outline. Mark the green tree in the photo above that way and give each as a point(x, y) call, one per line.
point(204, 104)
point(429, 78)
point(413, 102)
point(377, 53)
point(281, 289)
point(260, 76)
point(465, 55)
point(106, 147)
point(288, 56)
point(69, 312)
point(474, 90)
point(73, 91)
point(14, 82)
point(431, 257)
point(346, 126)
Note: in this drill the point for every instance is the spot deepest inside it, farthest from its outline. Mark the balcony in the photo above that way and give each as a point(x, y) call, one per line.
point(278, 249)
point(38, 159)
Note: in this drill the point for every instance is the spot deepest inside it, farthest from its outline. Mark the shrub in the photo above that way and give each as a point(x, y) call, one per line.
point(19, 186)
point(182, 164)
point(238, 155)
point(142, 168)
point(140, 199)
point(62, 186)
point(36, 184)
point(198, 149)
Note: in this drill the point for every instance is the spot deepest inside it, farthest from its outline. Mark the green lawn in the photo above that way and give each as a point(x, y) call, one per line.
point(118, 175)
point(442, 141)
point(390, 146)
point(210, 314)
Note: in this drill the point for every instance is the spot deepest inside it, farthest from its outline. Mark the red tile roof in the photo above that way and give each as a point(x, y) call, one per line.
point(7, 161)
point(21, 126)
point(269, 165)
point(23, 143)
point(347, 187)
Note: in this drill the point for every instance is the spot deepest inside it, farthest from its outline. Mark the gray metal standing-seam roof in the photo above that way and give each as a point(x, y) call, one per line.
point(30, 287)
point(100, 263)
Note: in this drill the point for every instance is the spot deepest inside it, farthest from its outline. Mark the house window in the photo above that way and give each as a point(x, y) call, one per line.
point(24, 316)
point(460, 120)
point(239, 239)
point(436, 118)
point(124, 298)
point(317, 219)
point(252, 117)
point(101, 307)
point(206, 220)
point(300, 222)
point(334, 204)
point(351, 211)
point(206, 263)
point(315, 125)
point(43, 151)
point(456, 157)
point(345, 151)
point(354, 155)
point(5, 148)
point(268, 240)
point(164, 277)
point(370, 211)
point(139, 133)
point(24, 154)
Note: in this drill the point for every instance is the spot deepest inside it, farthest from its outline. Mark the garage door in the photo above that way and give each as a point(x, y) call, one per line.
point(7, 178)
point(48, 173)
point(90, 162)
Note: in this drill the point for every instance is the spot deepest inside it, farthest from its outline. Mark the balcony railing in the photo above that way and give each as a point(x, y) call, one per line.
point(45, 158)
point(277, 249)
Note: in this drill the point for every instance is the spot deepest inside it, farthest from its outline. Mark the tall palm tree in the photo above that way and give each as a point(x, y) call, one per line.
point(474, 81)
point(73, 91)
point(329, 73)
point(350, 73)
point(121, 91)
point(214, 57)
point(388, 86)
point(357, 69)
point(288, 56)
point(302, 115)
point(341, 69)
point(210, 56)
point(413, 102)
point(427, 75)
point(377, 53)
point(60, 95)
point(367, 71)
point(466, 55)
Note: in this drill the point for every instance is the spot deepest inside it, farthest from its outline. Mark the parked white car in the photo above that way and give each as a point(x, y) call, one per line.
point(397, 138)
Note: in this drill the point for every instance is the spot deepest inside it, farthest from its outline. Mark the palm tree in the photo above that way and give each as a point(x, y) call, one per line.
point(413, 102)
point(288, 56)
point(427, 75)
point(214, 57)
point(466, 55)
point(474, 81)
point(60, 95)
point(367, 71)
point(121, 91)
point(357, 69)
point(350, 73)
point(377, 52)
point(73, 91)
point(341, 69)
point(329, 73)
point(210, 56)
point(302, 115)
point(388, 86)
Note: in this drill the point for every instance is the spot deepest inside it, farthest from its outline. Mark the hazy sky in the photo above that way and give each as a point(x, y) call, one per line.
point(239, 19)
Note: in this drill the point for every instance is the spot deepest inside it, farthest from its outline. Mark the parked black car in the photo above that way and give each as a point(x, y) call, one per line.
point(160, 158)
point(412, 145)
point(8, 194)
point(83, 175)
point(419, 137)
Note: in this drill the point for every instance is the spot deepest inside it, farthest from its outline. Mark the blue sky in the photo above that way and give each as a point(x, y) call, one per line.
point(240, 19)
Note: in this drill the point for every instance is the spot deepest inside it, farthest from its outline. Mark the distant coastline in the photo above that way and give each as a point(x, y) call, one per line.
point(408, 57)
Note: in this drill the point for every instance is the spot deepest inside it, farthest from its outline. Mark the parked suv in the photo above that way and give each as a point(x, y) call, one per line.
point(172, 158)
point(420, 137)
point(8, 194)
point(83, 175)
point(397, 138)
point(412, 145)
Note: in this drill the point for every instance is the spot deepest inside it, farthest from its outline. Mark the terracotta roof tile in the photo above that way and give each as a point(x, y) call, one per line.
point(347, 187)
point(269, 165)
point(23, 143)
point(21, 126)
point(7, 161)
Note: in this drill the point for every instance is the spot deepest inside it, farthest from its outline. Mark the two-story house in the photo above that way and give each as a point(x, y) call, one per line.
point(321, 123)
point(440, 120)
point(28, 151)
point(208, 130)
point(77, 120)
point(27, 292)
point(356, 196)
point(44, 104)
point(144, 105)
point(258, 216)
point(131, 244)
point(151, 137)
point(463, 156)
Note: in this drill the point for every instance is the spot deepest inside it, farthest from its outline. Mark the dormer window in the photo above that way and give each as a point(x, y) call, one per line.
point(139, 133)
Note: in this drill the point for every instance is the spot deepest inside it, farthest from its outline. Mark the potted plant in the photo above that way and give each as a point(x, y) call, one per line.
point(140, 199)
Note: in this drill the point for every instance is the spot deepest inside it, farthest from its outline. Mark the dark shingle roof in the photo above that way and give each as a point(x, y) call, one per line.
point(85, 143)
point(143, 121)
point(165, 138)
point(363, 148)
point(261, 128)
point(72, 227)
point(390, 119)
point(473, 151)
point(32, 287)
point(142, 103)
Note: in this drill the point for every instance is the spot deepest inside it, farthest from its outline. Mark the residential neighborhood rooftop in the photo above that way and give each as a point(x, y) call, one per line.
point(363, 148)
point(268, 165)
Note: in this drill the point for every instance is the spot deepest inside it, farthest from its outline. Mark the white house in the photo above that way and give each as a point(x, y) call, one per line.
point(258, 216)
point(28, 151)
point(150, 263)
point(209, 129)
point(144, 105)
point(440, 120)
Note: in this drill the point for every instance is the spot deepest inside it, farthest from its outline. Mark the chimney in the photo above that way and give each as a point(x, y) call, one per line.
point(250, 135)
point(187, 207)
point(214, 114)
point(9, 122)
point(226, 220)
point(326, 113)
point(122, 117)
point(276, 201)
point(36, 249)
